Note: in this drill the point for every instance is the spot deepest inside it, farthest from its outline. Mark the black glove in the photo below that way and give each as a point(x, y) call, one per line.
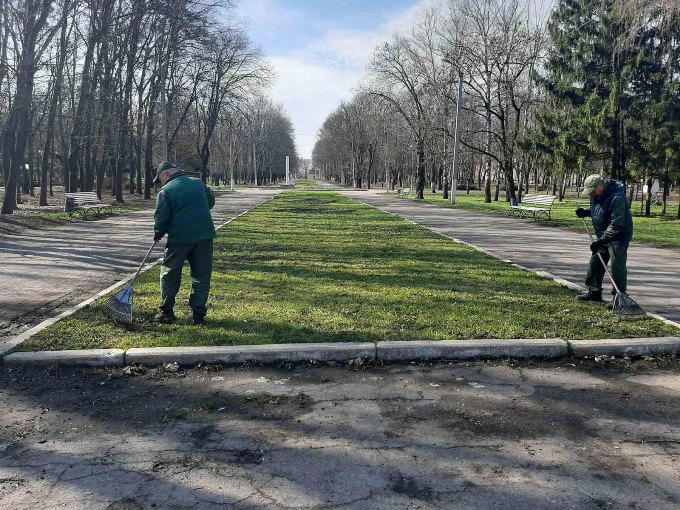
point(595, 247)
point(157, 238)
point(582, 213)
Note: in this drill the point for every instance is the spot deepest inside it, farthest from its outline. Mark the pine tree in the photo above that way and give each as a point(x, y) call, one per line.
point(585, 71)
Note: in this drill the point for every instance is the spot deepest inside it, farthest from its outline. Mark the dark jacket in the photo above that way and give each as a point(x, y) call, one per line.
point(611, 215)
point(183, 210)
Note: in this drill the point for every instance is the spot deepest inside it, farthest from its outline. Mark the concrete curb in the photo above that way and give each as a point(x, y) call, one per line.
point(85, 357)
point(397, 351)
point(472, 349)
point(632, 347)
point(235, 355)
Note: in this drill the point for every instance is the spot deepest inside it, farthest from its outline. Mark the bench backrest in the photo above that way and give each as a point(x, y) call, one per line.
point(405, 190)
point(546, 200)
point(85, 197)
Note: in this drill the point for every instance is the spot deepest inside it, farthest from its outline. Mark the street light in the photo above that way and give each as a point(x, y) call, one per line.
point(456, 141)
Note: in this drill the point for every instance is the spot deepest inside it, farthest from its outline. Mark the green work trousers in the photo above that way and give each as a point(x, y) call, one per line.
point(200, 257)
point(617, 254)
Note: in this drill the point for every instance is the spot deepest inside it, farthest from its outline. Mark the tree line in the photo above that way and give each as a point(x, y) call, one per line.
point(95, 93)
point(548, 98)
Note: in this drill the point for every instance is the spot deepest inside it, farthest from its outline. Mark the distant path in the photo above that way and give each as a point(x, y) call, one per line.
point(654, 273)
point(46, 271)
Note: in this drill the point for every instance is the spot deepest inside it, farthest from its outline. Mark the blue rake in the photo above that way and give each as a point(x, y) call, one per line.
point(119, 307)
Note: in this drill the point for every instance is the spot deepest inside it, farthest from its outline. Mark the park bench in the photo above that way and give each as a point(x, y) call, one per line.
point(534, 205)
point(83, 203)
point(404, 191)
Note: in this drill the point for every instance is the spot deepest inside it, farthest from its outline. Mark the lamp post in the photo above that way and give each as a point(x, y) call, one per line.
point(456, 140)
point(287, 170)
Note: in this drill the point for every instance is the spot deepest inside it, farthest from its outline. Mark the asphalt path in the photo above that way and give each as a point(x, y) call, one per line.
point(533, 436)
point(654, 273)
point(46, 271)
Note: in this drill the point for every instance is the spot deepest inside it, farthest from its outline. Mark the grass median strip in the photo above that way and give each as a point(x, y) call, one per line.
point(318, 267)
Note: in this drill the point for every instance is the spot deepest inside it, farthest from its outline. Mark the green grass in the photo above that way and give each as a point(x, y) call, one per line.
point(306, 183)
point(657, 230)
point(319, 267)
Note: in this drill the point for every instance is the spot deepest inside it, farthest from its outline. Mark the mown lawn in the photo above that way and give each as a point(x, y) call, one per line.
point(306, 183)
point(319, 267)
point(658, 230)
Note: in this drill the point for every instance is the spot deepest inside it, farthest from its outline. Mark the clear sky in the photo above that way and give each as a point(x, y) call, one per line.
point(319, 50)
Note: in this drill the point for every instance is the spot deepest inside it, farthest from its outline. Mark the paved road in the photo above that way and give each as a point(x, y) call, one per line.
point(45, 272)
point(449, 436)
point(654, 273)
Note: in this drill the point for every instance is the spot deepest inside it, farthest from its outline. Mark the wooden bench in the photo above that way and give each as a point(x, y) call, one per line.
point(404, 191)
point(83, 203)
point(534, 205)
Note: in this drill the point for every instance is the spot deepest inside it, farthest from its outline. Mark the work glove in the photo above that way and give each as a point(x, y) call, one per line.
point(595, 247)
point(582, 213)
point(157, 237)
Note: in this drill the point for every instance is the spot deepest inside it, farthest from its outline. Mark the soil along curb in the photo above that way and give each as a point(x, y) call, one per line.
point(469, 349)
point(235, 355)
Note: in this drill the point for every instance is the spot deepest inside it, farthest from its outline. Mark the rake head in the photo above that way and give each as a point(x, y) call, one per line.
point(119, 307)
point(624, 305)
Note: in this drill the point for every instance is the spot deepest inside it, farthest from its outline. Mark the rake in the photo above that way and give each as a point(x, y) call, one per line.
point(119, 307)
point(623, 304)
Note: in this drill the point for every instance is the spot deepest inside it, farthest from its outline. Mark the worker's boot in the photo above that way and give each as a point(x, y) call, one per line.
point(166, 316)
point(591, 295)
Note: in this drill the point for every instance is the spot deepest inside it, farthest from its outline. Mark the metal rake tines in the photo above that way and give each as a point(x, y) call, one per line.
point(119, 307)
point(624, 305)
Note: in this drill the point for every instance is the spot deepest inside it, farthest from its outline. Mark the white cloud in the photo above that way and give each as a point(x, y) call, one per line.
point(313, 79)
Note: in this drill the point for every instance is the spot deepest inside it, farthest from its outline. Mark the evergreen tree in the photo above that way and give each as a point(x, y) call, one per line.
point(585, 71)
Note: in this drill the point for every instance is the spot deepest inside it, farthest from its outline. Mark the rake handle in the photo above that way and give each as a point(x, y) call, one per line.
point(592, 240)
point(139, 270)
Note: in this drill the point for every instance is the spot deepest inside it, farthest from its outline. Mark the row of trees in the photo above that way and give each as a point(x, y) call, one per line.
point(592, 86)
point(95, 93)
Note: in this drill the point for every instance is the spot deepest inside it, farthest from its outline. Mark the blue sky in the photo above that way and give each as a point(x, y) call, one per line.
point(319, 50)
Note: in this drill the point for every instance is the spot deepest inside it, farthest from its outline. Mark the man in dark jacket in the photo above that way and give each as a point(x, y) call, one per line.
point(613, 224)
point(183, 212)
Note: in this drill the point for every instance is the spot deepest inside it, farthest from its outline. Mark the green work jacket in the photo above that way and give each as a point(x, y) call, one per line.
point(611, 215)
point(183, 211)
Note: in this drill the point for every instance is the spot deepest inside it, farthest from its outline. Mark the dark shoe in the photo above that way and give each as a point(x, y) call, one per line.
point(165, 317)
point(591, 295)
point(199, 320)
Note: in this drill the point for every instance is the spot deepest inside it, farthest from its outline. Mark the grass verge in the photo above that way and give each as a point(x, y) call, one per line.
point(306, 183)
point(657, 230)
point(319, 267)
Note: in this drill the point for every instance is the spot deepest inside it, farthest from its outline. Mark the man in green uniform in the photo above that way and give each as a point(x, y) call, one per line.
point(183, 212)
point(613, 224)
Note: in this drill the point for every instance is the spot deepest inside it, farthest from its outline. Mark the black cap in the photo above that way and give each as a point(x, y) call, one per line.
point(165, 165)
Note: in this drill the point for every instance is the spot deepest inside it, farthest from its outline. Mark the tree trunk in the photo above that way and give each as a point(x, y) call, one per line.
point(420, 186)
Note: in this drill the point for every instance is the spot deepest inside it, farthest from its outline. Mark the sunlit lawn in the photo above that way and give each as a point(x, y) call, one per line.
point(659, 230)
point(306, 183)
point(319, 267)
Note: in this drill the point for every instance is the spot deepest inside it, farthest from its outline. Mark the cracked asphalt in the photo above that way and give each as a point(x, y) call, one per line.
point(534, 435)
